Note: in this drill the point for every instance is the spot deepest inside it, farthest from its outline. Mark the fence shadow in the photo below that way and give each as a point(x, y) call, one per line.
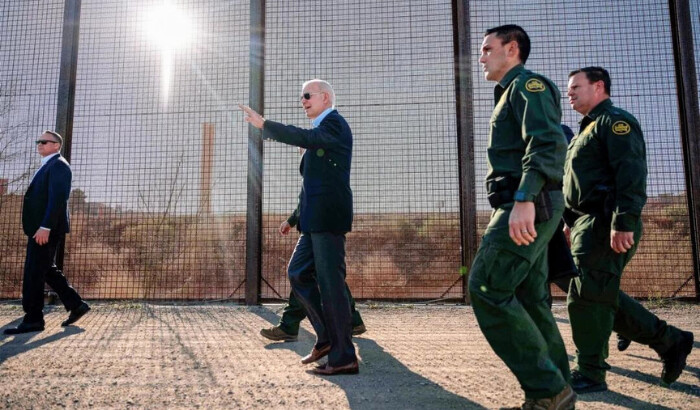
point(655, 379)
point(383, 380)
point(613, 397)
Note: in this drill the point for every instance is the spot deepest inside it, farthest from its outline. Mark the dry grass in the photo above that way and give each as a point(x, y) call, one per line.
point(123, 255)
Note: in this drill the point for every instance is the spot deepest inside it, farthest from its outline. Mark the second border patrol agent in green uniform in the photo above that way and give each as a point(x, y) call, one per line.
point(507, 282)
point(605, 191)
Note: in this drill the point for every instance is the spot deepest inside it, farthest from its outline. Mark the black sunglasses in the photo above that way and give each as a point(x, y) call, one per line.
point(307, 96)
point(44, 142)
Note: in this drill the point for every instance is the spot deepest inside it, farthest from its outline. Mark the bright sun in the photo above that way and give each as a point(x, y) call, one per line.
point(168, 27)
point(170, 30)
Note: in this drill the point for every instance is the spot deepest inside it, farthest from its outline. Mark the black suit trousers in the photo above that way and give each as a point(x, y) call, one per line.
point(317, 275)
point(39, 268)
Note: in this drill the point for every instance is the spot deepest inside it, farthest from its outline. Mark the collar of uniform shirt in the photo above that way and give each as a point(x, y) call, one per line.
point(510, 75)
point(317, 121)
point(598, 109)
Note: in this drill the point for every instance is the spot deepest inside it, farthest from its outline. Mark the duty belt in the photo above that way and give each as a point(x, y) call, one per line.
point(504, 196)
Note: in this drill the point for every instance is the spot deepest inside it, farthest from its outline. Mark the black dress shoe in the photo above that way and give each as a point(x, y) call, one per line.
point(583, 384)
point(623, 343)
point(76, 314)
point(25, 327)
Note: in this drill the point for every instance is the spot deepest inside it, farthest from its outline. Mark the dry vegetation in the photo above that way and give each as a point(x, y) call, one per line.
point(122, 255)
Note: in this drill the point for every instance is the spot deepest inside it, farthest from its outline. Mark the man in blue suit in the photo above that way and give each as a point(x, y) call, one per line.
point(317, 267)
point(46, 221)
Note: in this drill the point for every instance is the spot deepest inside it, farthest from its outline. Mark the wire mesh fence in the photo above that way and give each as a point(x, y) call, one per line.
point(158, 207)
point(391, 66)
point(160, 152)
point(30, 54)
point(566, 36)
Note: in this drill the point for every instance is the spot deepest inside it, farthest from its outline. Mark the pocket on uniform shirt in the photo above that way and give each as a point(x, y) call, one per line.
point(500, 111)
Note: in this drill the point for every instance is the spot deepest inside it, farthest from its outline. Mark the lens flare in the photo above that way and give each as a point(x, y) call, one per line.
point(168, 27)
point(170, 30)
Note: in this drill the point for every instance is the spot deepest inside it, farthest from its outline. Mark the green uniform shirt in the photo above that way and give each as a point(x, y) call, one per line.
point(526, 142)
point(607, 157)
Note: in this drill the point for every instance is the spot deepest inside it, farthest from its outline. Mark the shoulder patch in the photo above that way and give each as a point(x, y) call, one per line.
point(621, 128)
point(534, 85)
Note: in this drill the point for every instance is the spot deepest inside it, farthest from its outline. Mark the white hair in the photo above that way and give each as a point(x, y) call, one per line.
point(324, 86)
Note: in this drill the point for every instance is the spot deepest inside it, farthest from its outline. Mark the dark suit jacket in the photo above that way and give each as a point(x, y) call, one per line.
point(325, 202)
point(46, 201)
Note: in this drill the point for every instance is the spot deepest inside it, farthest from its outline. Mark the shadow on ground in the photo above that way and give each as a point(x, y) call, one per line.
point(384, 382)
point(25, 342)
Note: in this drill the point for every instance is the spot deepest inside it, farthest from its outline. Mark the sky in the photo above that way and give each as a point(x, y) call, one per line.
point(142, 99)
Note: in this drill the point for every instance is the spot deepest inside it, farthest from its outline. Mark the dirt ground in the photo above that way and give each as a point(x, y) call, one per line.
point(143, 355)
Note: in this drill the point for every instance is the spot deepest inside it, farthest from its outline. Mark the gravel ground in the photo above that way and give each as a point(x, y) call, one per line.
point(144, 355)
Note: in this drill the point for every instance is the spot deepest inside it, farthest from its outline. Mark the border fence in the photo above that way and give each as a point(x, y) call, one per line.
point(174, 197)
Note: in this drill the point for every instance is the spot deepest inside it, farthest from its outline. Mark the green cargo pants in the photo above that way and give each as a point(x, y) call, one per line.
point(597, 306)
point(509, 294)
point(294, 313)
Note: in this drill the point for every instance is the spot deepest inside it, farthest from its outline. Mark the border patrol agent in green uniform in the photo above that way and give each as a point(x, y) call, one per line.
point(605, 191)
point(508, 279)
point(293, 313)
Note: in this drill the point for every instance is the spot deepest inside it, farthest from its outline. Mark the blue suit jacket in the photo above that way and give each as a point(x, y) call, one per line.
point(46, 201)
point(325, 201)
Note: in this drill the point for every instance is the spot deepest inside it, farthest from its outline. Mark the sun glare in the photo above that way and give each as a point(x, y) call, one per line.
point(168, 27)
point(170, 30)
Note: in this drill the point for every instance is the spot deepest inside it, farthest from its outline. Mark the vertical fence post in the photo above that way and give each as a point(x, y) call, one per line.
point(687, 90)
point(65, 103)
point(465, 135)
point(255, 154)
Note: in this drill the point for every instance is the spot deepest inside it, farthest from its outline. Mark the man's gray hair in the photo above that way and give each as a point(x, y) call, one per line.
point(323, 86)
point(56, 135)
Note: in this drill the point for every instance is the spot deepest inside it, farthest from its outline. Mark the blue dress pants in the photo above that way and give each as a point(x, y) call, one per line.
point(317, 275)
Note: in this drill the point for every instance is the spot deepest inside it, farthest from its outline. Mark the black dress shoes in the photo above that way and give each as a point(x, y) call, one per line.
point(76, 314)
point(25, 327)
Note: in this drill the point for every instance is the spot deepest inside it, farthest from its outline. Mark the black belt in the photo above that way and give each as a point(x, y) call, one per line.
point(505, 196)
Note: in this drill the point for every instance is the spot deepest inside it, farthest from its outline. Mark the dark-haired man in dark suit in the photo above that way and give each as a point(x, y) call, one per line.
point(317, 267)
point(45, 221)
